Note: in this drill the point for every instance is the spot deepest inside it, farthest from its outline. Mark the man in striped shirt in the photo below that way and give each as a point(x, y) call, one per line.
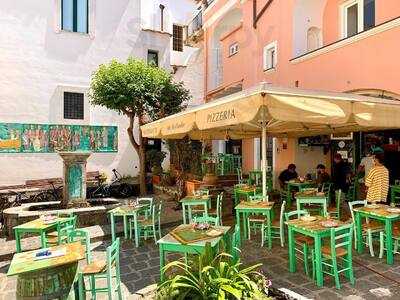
point(377, 180)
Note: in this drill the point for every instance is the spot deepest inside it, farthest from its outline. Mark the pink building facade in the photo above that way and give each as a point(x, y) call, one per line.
point(333, 45)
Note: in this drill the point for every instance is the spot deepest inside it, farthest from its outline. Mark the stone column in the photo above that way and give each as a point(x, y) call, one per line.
point(74, 178)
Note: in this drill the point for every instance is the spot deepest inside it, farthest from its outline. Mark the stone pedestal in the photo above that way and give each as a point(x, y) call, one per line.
point(74, 177)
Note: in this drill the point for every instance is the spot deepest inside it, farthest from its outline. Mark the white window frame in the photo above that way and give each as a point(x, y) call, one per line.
point(343, 16)
point(267, 64)
point(233, 49)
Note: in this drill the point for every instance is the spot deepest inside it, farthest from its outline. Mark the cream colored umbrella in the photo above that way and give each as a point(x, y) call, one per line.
point(276, 111)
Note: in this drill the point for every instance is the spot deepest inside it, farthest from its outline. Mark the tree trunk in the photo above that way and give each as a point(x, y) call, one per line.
point(140, 150)
point(142, 166)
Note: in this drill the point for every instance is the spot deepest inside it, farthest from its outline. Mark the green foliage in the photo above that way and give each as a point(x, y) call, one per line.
point(155, 158)
point(212, 277)
point(136, 87)
point(186, 154)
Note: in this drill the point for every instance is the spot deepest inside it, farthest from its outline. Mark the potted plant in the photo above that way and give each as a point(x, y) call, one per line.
point(209, 277)
point(154, 158)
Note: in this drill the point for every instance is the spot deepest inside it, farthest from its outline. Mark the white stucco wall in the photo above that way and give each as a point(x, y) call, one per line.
point(306, 14)
point(38, 62)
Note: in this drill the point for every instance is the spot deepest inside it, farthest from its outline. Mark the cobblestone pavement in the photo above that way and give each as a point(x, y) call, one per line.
point(140, 267)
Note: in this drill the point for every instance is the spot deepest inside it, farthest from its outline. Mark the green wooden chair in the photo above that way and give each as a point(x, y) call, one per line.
point(149, 226)
point(278, 226)
point(303, 243)
point(235, 244)
point(339, 249)
point(60, 236)
point(83, 236)
point(199, 209)
point(206, 219)
point(240, 179)
point(217, 211)
point(318, 205)
point(369, 228)
point(100, 270)
point(334, 211)
point(145, 213)
point(255, 221)
point(396, 242)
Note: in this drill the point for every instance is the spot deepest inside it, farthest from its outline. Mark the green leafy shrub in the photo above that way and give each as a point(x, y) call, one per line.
point(212, 277)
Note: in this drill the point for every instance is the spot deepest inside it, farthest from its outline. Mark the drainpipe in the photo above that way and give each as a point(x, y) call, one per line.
point(162, 17)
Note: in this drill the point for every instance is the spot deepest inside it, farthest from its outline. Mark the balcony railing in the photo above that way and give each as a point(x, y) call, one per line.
point(196, 24)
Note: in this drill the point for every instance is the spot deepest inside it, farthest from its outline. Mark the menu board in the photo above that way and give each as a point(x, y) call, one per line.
point(48, 138)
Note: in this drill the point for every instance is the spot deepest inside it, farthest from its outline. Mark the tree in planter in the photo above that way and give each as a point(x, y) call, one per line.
point(140, 91)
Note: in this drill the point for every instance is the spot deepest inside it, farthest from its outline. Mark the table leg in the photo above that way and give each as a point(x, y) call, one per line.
point(360, 244)
point(43, 239)
point(389, 242)
point(17, 240)
point(318, 262)
point(125, 218)
point(292, 253)
point(162, 262)
point(135, 222)
point(238, 222)
point(245, 229)
point(184, 213)
point(112, 221)
point(206, 209)
point(269, 218)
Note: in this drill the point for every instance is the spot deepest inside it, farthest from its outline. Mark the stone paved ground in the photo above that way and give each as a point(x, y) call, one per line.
point(140, 267)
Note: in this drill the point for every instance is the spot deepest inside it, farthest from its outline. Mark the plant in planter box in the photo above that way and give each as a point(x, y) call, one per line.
point(212, 277)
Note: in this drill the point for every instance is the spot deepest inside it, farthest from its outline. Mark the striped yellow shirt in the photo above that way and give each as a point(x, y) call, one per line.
point(378, 184)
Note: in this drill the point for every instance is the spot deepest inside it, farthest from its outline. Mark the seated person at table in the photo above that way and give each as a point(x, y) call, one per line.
point(288, 174)
point(377, 180)
point(322, 175)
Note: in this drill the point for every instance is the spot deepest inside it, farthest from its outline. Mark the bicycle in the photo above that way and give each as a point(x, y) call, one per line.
point(52, 194)
point(115, 188)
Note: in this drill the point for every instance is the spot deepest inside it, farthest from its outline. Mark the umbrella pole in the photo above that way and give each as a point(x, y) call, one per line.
point(264, 158)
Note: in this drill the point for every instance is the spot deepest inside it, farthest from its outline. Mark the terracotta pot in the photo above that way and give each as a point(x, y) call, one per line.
point(210, 179)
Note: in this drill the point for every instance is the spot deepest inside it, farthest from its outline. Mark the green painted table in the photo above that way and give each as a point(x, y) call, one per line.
point(48, 278)
point(246, 191)
point(312, 198)
point(296, 185)
point(382, 214)
point(245, 208)
point(169, 243)
point(125, 212)
point(394, 193)
point(36, 226)
point(190, 201)
point(315, 230)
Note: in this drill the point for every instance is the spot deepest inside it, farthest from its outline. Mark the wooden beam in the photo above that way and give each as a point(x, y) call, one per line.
point(256, 17)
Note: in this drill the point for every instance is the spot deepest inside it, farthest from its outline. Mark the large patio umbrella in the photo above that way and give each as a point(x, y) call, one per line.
point(280, 112)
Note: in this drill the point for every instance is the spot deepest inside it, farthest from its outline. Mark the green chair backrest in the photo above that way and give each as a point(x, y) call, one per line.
point(356, 203)
point(218, 207)
point(258, 197)
point(326, 187)
point(203, 192)
point(156, 213)
point(297, 213)
point(113, 261)
point(282, 214)
point(146, 201)
point(69, 214)
point(235, 250)
point(239, 175)
point(206, 219)
point(341, 237)
point(83, 236)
